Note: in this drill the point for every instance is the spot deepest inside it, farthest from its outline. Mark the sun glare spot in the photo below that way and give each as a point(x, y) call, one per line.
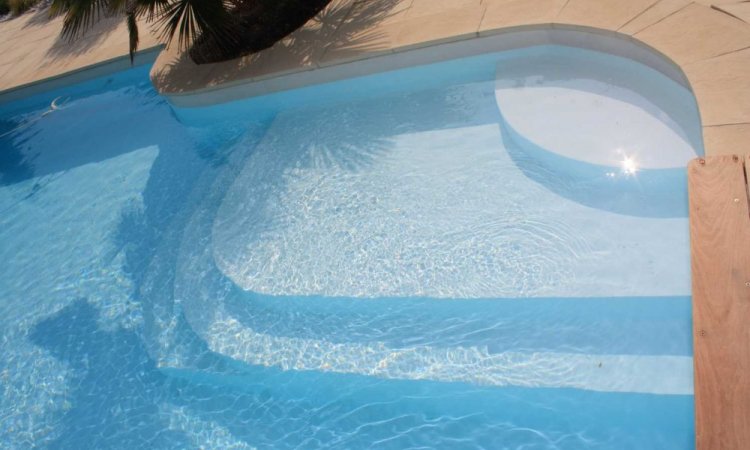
point(629, 166)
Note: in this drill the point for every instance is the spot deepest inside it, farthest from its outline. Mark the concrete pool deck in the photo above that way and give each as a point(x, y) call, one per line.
point(35, 58)
point(706, 40)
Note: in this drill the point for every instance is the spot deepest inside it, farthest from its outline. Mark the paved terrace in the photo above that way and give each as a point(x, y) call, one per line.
point(709, 40)
point(34, 57)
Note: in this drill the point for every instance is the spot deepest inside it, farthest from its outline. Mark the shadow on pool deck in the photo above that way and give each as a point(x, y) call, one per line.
point(340, 26)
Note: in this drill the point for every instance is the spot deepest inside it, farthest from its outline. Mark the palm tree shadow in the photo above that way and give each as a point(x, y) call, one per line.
point(340, 27)
point(345, 28)
point(117, 387)
point(15, 165)
point(358, 34)
point(93, 37)
point(38, 17)
point(118, 398)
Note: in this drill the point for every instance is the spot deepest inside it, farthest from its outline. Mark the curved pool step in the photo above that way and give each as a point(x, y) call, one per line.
point(207, 305)
point(209, 301)
point(445, 212)
point(608, 134)
point(637, 326)
point(599, 109)
point(653, 374)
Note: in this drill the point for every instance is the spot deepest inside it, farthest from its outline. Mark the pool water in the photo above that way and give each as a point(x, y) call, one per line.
point(489, 252)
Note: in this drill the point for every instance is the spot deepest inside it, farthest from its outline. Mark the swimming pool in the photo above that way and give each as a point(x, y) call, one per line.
point(489, 252)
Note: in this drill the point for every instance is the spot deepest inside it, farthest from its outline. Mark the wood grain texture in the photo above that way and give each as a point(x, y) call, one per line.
point(720, 247)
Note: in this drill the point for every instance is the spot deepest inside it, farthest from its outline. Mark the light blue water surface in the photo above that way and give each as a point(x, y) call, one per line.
point(227, 279)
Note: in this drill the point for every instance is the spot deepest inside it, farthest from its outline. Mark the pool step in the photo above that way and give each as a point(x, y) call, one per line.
point(655, 374)
point(617, 325)
point(560, 343)
point(268, 407)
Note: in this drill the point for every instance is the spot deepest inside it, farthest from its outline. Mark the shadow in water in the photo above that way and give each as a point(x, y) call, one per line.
point(15, 166)
point(119, 399)
point(46, 140)
point(116, 390)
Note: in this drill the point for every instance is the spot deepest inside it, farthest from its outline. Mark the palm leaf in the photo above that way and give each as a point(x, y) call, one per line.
point(185, 19)
point(80, 15)
point(132, 21)
point(188, 19)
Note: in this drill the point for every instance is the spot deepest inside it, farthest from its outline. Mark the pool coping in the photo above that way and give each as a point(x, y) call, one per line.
point(82, 74)
point(508, 39)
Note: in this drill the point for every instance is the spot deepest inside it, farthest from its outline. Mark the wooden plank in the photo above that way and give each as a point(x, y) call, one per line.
point(720, 248)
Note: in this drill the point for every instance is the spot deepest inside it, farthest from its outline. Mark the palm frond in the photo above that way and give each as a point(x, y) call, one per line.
point(132, 21)
point(183, 19)
point(150, 9)
point(80, 15)
point(188, 19)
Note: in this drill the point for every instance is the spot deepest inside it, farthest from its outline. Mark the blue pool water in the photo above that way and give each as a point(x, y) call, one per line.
point(483, 253)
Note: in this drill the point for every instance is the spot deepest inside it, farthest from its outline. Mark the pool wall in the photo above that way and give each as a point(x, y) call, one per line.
point(515, 38)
